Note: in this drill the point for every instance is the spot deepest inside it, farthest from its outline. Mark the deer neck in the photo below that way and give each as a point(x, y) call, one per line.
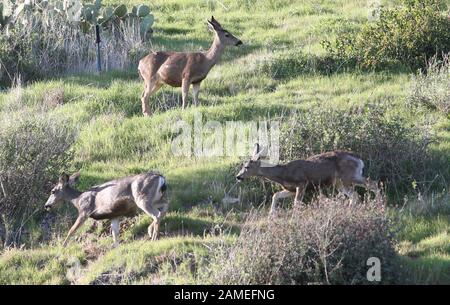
point(271, 172)
point(215, 52)
point(72, 196)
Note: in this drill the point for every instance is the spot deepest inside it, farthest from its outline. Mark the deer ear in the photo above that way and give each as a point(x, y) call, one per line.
point(210, 25)
point(215, 22)
point(260, 151)
point(73, 179)
point(63, 178)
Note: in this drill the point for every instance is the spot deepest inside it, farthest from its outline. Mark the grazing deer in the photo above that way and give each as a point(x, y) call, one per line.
point(114, 199)
point(181, 69)
point(337, 168)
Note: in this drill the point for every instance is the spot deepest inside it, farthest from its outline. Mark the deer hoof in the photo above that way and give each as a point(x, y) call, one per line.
point(297, 205)
point(272, 214)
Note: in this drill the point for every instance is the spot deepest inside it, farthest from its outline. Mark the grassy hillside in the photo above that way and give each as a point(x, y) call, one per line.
point(255, 81)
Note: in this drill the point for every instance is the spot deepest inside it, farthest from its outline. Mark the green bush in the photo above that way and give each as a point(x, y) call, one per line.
point(408, 34)
point(291, 64)
point(432, 88)
point(34, 147)
point(326, 242)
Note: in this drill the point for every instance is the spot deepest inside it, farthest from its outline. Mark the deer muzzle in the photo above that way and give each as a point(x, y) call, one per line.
point(49, 203)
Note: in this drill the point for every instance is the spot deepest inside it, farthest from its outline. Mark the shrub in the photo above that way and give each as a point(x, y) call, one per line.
point(393, 149)
point(432, 88)
point(408, 34)
point(326, 242)
point(285, 65)
point(33, 149)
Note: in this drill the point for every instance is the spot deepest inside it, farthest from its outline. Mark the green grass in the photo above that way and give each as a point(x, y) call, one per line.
point(424, 241)
point(138, 261)
point(47, 265)
point(252, 82)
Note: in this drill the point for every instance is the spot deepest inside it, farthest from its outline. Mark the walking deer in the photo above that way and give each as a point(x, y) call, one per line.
point(183, 69)
point(338, 168)
point(113, 200)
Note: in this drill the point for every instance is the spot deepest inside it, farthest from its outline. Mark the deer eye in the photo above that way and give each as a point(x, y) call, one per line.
point(53, 192)
point(227, 35)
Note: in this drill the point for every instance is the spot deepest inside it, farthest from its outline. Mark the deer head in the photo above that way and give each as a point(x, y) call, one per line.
point(59, 192)
point(251, 167)
point(224, 37)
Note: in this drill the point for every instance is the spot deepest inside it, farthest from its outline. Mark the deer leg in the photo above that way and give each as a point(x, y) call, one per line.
point(80, 220)
point(300, 191)
point(115, 230)
point(184, 91)
point(151, 229)
point(369, 185)
point(196, 89)
point(155, 214)
point(161, 206)
point(144, 100)
point(348, 189)
point(279, 195)
point(150, 88)
point(156, 229)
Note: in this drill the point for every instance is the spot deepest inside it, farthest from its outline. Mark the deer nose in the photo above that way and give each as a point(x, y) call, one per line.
point(238, 43)
point(239, 178)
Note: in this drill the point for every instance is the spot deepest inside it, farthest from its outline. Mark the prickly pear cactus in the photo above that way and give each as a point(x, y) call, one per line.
point(85, 15)
point(143, 11)
point(6, 10)
point(146, 26)
point(120, 11)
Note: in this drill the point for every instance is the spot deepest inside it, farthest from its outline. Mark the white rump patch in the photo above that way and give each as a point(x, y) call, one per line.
point(161, 183)
point(159, 193)
point(359, 167)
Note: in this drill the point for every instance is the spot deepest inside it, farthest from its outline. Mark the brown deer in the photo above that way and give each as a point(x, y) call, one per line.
point(114, 199)
point(337, 168)
point(183, 69)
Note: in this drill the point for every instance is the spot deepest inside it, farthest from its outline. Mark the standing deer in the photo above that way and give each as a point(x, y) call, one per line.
point(114, 199)
point(337, 168)
point(181, 69)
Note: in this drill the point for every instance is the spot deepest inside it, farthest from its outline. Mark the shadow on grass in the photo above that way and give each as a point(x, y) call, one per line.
point(182, 225)
point(102, 80)
point(284, 66)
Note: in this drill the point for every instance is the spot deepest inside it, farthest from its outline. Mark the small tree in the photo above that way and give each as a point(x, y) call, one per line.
point(33, 149)
point(407, 34)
